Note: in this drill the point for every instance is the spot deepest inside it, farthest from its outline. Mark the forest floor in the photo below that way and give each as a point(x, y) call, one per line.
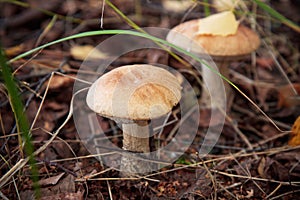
point(253, 158)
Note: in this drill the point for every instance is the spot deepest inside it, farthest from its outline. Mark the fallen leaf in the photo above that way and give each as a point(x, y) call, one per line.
point(295, 133)
point(261, 167)
point(53, 111)
point(87, 51)
point(287, 96)
point(60, 81)
point(62, 150)
point(15, 50)
point(250, 193)
point(177, 6)
point(222, 24)
point(264, 62)
point(51, 181)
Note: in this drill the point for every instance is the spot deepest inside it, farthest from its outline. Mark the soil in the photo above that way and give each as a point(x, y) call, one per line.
point(254, 157)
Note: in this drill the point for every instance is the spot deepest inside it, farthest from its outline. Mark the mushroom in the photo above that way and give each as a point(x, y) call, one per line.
point(222, 48)
point(133, 95)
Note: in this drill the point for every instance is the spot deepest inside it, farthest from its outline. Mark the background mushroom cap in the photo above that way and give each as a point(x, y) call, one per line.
point(134, 92)
point(238, 45)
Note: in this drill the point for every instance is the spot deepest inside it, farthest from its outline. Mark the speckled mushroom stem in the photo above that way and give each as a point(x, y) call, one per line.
point(224, 70)
point(136, 137)
point(210, 79)
point(135, 140)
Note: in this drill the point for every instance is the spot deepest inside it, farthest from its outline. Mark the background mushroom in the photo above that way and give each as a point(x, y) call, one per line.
point(132, 95)
point(223, 48)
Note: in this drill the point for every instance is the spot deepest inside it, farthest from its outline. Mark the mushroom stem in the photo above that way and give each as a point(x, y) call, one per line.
point(135, 140)
point(224, 70)
point(136, 137)
point(211, 79)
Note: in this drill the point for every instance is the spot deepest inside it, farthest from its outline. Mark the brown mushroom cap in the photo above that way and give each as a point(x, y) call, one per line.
point(134, 92)
point(238, 45)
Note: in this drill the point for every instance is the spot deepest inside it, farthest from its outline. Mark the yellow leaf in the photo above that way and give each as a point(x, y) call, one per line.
point(295, 133)
point(177, 6)
point(87, 51)
point(15, 50)
point(222, 24)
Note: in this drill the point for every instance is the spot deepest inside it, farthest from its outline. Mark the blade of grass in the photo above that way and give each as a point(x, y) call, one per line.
point(155, 39)
point(206, 8)
point(277, 15)
point(127, 20)
point(46, 30)
point(21, 120)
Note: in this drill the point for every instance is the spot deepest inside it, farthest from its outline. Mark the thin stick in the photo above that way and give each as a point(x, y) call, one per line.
point(271, 138)
point(15, 185)
point(246, 171)
point(285, 194)
point(241, 134)
point(212, 179)
point(273, 192)
point(3, 196)
point(185, 117)
point(109, 190)
point(102, 14)
point(72, 77)
point(28, 61)
point(294, 183)
point(20, 164)
point(96, 174)
point(42, 102)
point(84, 157)
point(230, 193)
point(231, 186)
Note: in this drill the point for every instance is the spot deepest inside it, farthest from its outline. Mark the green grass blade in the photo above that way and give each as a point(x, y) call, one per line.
point(277, 15)
point(206, 8)
point(21, 120)
point(124, 32)
point(155, 39)
point(119, 12)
